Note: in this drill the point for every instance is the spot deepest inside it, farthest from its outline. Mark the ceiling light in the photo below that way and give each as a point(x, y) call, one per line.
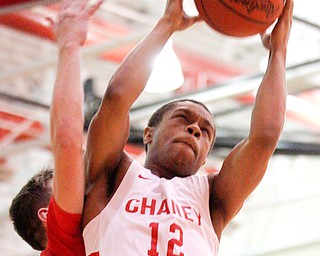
point(167, 72)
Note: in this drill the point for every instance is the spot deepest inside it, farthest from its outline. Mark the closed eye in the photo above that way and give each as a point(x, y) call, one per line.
point(205, 130)
point(182, 116)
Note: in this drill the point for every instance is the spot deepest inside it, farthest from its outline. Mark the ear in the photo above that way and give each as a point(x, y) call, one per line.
point(42, 214)
point(147, 135)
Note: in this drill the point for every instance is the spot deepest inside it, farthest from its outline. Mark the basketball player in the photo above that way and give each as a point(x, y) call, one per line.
point(47, 211)
point(163, 208)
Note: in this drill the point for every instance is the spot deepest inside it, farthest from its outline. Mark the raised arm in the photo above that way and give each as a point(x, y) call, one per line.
point(66, 114)
point(246, 164)
point(109, 129)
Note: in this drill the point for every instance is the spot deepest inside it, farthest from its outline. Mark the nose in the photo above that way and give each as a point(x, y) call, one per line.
point(194, 130)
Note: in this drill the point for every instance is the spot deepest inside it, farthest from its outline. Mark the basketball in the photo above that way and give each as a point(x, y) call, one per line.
point(239, 18)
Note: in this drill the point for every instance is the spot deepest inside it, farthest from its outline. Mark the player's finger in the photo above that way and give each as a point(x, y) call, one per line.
point(92, 9)
point(288, 9)
point(196, 19)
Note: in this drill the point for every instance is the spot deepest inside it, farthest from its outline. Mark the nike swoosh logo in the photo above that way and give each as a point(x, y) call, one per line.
point(141, 177)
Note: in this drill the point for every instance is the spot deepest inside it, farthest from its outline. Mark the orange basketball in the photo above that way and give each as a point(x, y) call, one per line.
point(239, 18)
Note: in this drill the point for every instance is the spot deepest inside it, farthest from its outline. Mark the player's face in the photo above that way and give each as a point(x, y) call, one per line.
point(183, 139)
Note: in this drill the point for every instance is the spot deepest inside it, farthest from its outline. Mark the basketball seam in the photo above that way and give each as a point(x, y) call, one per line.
point(241, 15)
point(211, 22)
point(235, 12)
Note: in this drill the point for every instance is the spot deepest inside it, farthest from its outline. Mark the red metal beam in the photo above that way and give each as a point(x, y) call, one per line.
point(14, 2)
point(29, 22)
point(33, 131)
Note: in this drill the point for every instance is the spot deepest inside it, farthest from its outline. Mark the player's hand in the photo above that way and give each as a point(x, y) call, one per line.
point(280, 34)
point(71, 26)
point(175, 13)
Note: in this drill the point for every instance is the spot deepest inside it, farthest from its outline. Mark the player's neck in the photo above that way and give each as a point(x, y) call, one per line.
point(159, 171)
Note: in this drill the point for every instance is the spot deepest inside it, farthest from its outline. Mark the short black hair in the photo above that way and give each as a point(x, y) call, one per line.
point(24, 209)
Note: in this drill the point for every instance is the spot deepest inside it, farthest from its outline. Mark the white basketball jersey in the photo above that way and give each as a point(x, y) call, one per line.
point(152, 216)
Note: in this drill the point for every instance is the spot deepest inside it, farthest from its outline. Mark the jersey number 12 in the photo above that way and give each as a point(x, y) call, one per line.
point(174, 228)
